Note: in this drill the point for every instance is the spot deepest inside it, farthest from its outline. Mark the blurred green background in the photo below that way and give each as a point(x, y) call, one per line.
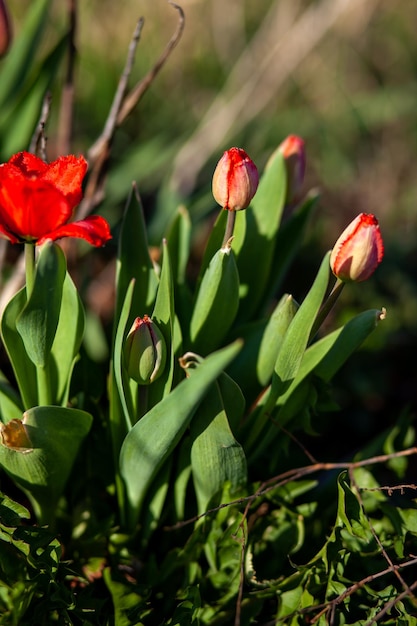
point(339, 73)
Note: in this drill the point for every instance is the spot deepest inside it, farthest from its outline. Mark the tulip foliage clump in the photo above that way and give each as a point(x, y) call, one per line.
point(167, 478)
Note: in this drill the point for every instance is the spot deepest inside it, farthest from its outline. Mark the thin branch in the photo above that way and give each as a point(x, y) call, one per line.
point(375, 534)
point(389, 605)
point(122, 106)
point(137, 92)
point(111, 123)
point(295, 474)
point(38, 141)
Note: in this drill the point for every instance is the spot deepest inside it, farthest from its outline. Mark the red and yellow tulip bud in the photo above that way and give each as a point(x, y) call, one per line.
point(145, 351)
point(235, 180)
point(293, 151)
point(5, 29)
point(359, 250)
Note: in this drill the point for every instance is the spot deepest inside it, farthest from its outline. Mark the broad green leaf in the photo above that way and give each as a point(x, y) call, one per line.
point(67, 342)
point(155, 436)
point(121, 388)
point(328, 354)
point(352, 335)
point(19, 119)
point(349, 511)
point(133, 261)
point(297, 336)
point(38, 322)
point(216, 304)
point(39, 451)
point(163, 315)
point(179, 242)
point(23, 368)
point(19, 61)
point(233, 400)
point(273, 337)
point(260, 223)
point(216, 457)
point(10, 403)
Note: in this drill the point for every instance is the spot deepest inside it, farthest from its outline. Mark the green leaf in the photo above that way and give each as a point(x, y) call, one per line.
point(23, 368)
point(133, 261)
point(297, 336)
point(163, 315)
point(256, 229)
point(216, 456)
point(10, 403)
point(179, 242)
point(38, 322)
point(273, 337)
point(67, 342)
point(121, 391)
point(328, 354)
point(216, 304)
point(19, 119)
point(42, 465)
point(19, 61)
point(155, 436)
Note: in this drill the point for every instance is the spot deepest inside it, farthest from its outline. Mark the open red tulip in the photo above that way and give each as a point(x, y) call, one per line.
point(37, 200)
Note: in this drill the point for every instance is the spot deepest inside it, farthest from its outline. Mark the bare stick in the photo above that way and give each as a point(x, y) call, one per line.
point(38, 141)
point(140, 88)
point(111, 123)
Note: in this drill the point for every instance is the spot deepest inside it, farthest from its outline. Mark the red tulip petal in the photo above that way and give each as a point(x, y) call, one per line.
point(67, 174)
point(93, 229)
point(29, 208)
point(359, 249)
point(30, 165)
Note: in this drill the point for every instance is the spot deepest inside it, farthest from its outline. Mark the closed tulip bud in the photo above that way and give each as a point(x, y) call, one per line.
point(293, 151)
point(359, 250)
point(145, 351)
point(5, 29)
point(235, 180)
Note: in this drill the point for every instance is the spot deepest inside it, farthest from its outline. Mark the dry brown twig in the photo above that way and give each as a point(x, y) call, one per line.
point(123, 104)
point(295, 474)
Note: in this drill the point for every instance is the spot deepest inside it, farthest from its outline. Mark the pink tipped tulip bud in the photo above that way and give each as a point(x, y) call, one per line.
point(293, 151)
point(5, 29)
point(235, 180)
point(145, 351)
point(359, 249)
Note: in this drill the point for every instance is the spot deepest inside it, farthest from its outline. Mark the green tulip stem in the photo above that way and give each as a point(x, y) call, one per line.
point(230, 226)
point(44, 388)
point(29, 268)
point(327, 306)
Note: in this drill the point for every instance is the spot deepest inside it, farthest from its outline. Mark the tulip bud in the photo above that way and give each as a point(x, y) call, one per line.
point(5, 29)
point(359, 249)
point(235, 180)
point(293, 151)
point(145, 351)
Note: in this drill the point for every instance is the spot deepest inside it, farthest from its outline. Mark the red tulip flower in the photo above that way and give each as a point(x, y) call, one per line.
point(359, 250)
point(235, 180)
point(37, 200)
